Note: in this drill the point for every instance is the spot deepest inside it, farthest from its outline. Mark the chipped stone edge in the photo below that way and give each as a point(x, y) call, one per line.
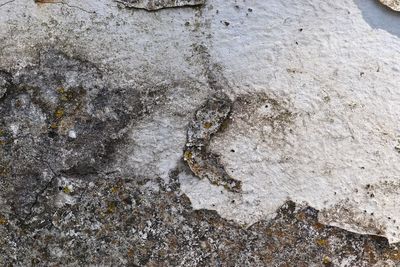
point(392, 4)
point(197, 156)
point(147, 8)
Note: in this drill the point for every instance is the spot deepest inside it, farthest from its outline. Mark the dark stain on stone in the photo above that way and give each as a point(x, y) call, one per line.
point(42, 104)
point(154, 5)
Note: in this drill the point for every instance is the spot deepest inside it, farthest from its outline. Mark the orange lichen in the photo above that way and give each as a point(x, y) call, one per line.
point(326, 260)
point(187, 155)
point(322, 242)
point(54, 126)
point(207, 125)
point(61, 90)
point(114, 189)
point(66, 190)
point(3, 221)
point(393, 255)
point(111, 207)
point(59, 113)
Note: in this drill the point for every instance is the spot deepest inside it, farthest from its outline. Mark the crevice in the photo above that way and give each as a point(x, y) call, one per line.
point(152, 5)
point(6, 3)
point(64, 3)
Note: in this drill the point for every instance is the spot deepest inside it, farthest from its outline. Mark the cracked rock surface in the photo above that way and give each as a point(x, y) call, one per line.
point(159, 4)
point(236, 133)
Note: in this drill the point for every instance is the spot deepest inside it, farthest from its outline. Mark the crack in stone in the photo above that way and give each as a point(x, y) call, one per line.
point(43, 190)
point(64, 3)
point(6, 3)
point(153, 5)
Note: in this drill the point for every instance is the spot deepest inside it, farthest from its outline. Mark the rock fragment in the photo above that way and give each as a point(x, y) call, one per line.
point(393, 4)
point(209, 119)
point(152, 5)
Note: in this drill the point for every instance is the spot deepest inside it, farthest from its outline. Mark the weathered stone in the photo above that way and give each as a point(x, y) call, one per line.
point(4, 83)
point(208, 120)
point(3, 90)
point(393, 4)
point(268, 105)
point(159, 4)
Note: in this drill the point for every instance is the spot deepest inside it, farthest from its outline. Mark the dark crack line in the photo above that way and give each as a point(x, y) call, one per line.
point(80, 8)
point(68, 5)
point(6, 3)
point(129, 5)
point(43, 190)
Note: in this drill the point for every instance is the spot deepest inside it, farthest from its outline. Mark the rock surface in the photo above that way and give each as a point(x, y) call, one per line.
point(159, 4)
point(393, 4)
point(245, 133)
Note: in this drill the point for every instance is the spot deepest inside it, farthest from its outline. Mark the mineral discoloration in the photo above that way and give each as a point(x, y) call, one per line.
point(152, 5)
point(266, 114)
point(94, 108)
point(125, 222)
point(208, 120)
point(393, 4)
point(43, 104)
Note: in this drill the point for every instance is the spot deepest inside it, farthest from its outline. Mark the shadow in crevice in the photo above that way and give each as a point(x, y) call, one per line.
point(378, 16)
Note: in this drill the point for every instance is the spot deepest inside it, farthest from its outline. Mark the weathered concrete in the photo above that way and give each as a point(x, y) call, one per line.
point(247, 133)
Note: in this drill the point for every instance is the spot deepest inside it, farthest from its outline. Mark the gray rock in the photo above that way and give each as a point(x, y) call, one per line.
point(160, 4)
point(4, 83)
point(3, 91)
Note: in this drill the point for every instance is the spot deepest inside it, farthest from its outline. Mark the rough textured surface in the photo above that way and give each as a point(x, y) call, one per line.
point(159, 4)
point(122, 222)
point(236, 133)
point(208, 120)
point(393, 4)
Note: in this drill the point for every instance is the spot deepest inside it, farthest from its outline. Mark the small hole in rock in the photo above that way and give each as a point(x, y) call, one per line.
point(52, 134)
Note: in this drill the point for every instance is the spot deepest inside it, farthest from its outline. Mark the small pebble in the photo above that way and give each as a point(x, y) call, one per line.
point(72, 134)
